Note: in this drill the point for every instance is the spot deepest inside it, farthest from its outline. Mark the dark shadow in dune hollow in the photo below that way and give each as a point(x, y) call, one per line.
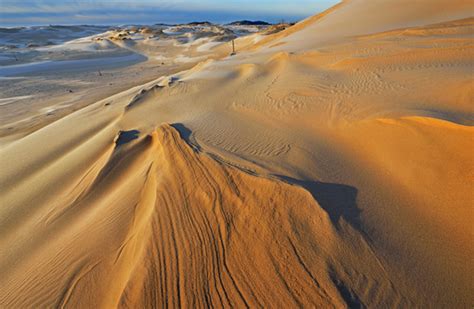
point(186, 135)
point(184, 132)
point(339, 201)
point(351, 299)
point(126, 137)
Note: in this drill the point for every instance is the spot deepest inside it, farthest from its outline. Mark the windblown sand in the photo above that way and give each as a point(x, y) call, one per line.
point(327, 165)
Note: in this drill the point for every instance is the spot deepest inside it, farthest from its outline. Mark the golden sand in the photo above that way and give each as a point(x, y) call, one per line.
point(329, 165)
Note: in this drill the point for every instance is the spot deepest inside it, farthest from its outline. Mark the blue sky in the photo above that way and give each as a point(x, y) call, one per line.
point(112, 12)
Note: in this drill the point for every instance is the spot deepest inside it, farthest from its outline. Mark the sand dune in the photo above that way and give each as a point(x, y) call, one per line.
point(327, 165)
point(161, 238)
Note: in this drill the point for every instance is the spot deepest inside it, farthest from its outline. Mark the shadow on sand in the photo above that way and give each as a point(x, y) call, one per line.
point(339, 201)
point(126, 137)
point(184, 132)
point(186, 135)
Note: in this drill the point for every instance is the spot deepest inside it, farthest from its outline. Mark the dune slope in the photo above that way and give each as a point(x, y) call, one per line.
point(152, 222)
point(329, 165)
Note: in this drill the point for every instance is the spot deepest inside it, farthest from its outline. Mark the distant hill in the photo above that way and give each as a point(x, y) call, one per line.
point(164, 24)
point(249, 23)
point(200, 23)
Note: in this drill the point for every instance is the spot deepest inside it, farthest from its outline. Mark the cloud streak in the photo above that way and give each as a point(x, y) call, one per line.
point(146, 11)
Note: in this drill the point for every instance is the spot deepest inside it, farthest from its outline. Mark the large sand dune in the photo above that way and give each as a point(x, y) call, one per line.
point(327, 165)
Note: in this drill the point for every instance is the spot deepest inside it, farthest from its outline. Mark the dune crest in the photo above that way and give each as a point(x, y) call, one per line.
point(327, 165)
point(181, 243)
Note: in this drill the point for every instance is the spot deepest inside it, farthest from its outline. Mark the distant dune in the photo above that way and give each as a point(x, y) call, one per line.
point(326, 164)
point(249, 23)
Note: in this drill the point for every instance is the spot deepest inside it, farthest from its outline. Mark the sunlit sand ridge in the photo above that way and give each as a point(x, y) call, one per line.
point(329, 165)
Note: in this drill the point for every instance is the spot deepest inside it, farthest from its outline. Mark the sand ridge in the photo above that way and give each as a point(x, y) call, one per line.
point(329, 166)
point(158, 252)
